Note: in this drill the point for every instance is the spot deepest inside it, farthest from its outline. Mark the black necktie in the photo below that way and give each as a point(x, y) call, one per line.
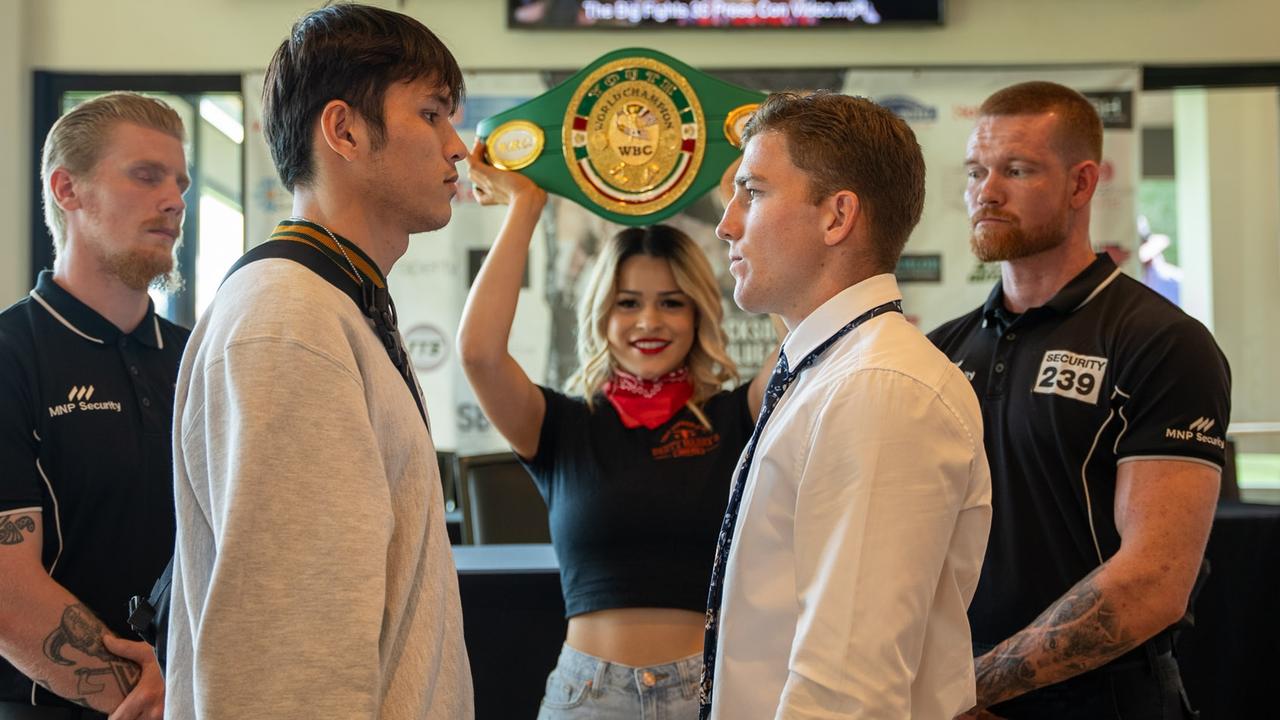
point(779, 381)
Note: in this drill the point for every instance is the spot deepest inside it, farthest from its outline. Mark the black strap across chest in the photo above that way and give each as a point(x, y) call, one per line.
point(374, 302)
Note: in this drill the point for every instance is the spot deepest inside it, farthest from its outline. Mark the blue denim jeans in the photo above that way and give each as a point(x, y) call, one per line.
point(584, 687)
point(1139, 686)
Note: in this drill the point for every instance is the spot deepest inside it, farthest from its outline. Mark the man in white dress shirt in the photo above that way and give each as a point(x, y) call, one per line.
point(859, 517)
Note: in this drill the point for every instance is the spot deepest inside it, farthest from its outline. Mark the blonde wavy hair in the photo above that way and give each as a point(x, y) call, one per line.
point(710, 366)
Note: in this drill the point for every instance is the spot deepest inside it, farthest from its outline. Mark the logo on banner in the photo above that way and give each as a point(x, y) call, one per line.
point(908, 108)
point(427, 347)
point(1114, 107)
point(1070, 375)
point(634, 136)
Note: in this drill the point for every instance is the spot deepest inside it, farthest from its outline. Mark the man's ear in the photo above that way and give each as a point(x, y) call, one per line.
point(1084, 182)
point(342, 130)
point(63, 189)
point(843, 209)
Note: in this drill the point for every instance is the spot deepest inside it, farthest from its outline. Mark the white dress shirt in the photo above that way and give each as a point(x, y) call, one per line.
point(861, 532)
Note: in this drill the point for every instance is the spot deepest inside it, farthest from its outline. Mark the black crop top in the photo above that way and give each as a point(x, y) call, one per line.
point(634, 513)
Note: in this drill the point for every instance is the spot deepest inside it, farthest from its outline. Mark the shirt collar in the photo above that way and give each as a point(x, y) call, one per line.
point(340, 250)
point(84, 321)
point(837, 312)
point(1074, 295)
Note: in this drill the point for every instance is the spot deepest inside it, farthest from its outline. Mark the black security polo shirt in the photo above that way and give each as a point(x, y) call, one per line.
point(1106, 372)
point(86, 413)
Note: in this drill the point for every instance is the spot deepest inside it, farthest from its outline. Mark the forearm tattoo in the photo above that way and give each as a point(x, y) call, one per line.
point(1080, 632)
point(12, 527)
point(82, 631)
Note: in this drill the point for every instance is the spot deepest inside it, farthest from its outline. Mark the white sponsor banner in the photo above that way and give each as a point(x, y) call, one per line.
point(941, 106)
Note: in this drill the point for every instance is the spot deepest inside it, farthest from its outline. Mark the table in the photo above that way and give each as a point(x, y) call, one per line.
point(513, 619)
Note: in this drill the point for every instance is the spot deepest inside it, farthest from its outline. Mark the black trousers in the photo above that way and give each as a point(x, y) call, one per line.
point(27, 711)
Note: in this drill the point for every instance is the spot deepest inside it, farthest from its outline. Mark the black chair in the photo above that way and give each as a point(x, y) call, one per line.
point(499, 502)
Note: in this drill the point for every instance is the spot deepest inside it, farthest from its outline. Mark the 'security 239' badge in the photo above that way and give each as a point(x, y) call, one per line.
point(634, 136)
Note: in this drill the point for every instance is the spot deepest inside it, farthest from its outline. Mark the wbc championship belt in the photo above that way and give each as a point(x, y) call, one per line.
point(634, 137)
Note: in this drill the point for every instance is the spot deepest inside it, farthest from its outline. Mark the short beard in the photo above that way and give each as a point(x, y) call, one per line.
point(1013, 242)
point(139, 270)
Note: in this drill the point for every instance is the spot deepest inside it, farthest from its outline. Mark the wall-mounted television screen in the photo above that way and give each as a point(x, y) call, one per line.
point(657, 14)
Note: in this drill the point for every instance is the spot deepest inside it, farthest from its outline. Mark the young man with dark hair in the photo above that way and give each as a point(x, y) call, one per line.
point(859, 514)
point(313, 573)
point(1105, 408)
point(86, 404)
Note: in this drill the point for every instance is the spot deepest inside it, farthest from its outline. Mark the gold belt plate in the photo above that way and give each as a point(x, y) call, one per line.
point(634, 136)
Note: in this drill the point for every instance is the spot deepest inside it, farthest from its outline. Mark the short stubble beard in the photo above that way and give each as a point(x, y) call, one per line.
point(1012, 242)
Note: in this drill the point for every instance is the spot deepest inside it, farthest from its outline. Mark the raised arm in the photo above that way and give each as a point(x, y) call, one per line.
point(1163, 510)
point(511, 401)
point(48, 635)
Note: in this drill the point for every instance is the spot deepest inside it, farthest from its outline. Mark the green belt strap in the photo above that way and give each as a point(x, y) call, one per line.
point(633, 137)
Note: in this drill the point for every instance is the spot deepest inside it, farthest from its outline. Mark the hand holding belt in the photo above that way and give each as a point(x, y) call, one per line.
point(634, 137)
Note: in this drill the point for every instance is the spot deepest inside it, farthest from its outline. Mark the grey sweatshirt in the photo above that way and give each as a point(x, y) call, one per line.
point(313, 574)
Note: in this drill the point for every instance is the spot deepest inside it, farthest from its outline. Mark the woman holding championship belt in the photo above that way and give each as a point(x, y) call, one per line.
point(636, 469)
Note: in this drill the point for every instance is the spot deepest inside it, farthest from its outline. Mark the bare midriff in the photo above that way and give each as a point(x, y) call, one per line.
point(637, 636)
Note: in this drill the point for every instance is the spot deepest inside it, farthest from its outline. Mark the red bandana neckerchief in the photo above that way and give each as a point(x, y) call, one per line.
point(648, 402)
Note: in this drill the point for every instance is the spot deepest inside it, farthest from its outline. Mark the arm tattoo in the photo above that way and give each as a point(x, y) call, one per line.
point(11, 528)
point(1079, 632)
point(49, 686)
point(82, 631)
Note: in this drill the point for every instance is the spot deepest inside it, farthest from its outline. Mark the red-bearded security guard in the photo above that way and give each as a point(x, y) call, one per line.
point(1104, 408)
